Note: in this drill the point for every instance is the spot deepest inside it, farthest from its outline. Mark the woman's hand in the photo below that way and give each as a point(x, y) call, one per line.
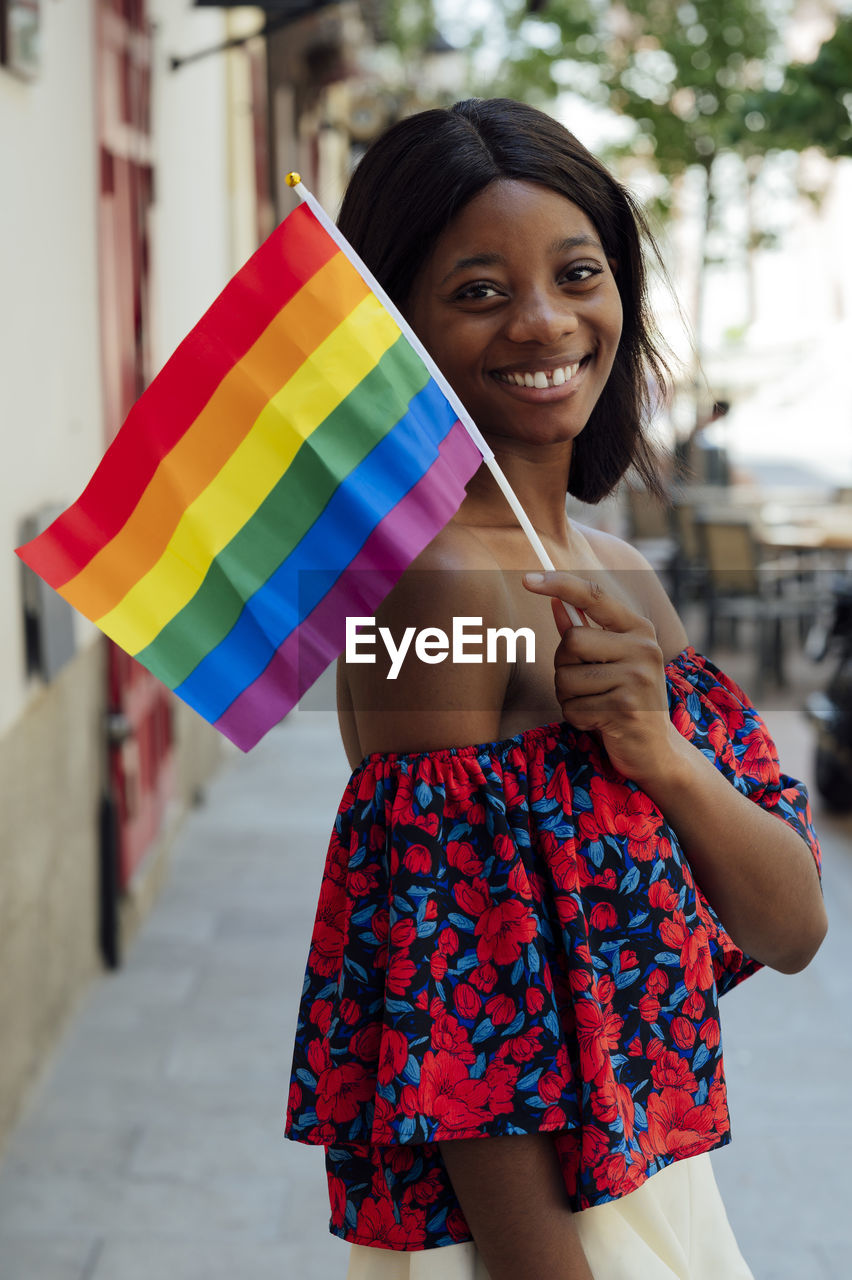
point(611, 681)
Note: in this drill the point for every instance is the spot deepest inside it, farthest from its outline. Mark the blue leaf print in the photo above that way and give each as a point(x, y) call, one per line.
point(701, 1055)
point(483, 1031)
point(423, 794)
point(305, 1077)
point(629, 881)
point(533, 962)
point(516, 1024)
point(411, 1070)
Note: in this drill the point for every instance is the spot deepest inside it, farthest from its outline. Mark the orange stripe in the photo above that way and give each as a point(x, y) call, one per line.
point(306, 321)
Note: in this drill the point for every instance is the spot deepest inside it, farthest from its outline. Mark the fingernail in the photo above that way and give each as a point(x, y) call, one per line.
point(534, 579)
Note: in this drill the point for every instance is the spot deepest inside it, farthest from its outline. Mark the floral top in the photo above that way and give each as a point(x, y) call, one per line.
point(510, 940)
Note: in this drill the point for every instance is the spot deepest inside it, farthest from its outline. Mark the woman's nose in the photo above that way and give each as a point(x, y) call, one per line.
point(539, 316)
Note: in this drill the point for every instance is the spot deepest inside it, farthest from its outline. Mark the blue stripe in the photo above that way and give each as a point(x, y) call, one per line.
point(359, 503)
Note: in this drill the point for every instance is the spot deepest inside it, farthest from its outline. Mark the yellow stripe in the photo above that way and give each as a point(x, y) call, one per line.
point(330, 373)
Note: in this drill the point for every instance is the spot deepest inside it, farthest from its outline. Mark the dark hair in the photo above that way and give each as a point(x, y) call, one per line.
point(418, 175)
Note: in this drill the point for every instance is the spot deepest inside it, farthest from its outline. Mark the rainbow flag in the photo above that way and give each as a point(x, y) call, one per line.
point(287, 464)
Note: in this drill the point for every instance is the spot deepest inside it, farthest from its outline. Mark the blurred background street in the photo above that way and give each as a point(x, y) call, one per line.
point(156, 888)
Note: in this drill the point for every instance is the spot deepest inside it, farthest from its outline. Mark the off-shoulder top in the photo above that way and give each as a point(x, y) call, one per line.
point(509, 940)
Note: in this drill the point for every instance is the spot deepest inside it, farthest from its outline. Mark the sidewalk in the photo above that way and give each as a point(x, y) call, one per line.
point(153, 1149)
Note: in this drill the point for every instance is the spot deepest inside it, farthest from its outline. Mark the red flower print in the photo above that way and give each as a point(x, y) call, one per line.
point(683, 722)
point(672, 1071)
point(320, 1015)
point(628, 959)
point(319, 1056)
point(384, 1115)
point(484, 976)
point(694, 950)
point(634, 1049)
point(559, 788)
point(341, 1092)
point(501, 1010)
point(428, 1188)
point(350, 1011)
point(438, 965)
point(501, 1078)
point(362, 881)
point(448, 942)
point(597, 1033)
point(401, 972)
point(519, 883)
point(418, 859)
point(676, 1126)
point(562, 861)
point(457, 1226)
point(595, 1145)
point(365, 1043)
point(502, 930)
point(729, 706)
point(605, 988)
point(472, 898)
point(759, 761)
point(693, 1005)
point(709, 1032)
point(431, 910)
point(620, 1174)
point(380, 925)
point(649, 1008)
point(554, 1118)
point(449, 1036)
point(468, 1001)
point(534, 1000)
point(393, 1055)
point(524, 1047)
point(376, 1223)
point(718, 1101)
point(603, 916)
point(337, 1198)
point(399, 1158)
point(427, 822)
point(622, 811)
point(657, 982)
point(462, 855)
point(326, 948)
point(403, 933)
point(447, 1094)
point(504, 848)
point(683, 1032)
point(662, 896)
point(294, 1099)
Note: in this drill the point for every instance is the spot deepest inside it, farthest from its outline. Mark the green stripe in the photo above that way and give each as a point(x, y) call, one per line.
point(333, 450)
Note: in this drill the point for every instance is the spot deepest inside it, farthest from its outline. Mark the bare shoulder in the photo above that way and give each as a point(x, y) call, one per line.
point(407, 694)
point(643, 586)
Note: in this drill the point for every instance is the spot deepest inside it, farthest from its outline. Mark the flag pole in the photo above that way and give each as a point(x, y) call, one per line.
point(294, 181)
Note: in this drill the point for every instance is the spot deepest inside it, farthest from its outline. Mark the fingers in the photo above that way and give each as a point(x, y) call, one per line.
point(586, 595)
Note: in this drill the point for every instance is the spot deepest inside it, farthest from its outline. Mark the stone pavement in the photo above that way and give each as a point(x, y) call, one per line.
point(153, 1148)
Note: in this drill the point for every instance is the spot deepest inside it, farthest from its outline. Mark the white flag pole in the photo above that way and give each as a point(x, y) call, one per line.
point(295, 182)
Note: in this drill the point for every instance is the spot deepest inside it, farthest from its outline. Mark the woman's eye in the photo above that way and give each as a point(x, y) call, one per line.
point(582, 271)
point(479, 289)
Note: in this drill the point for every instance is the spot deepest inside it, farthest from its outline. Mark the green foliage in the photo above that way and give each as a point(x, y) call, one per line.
point(693, 75)
point(814, 107)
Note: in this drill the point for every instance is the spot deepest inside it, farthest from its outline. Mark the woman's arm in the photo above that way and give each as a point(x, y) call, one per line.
point(756, 871)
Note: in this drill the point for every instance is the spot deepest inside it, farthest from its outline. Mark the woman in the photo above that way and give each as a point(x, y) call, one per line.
point(523, 940)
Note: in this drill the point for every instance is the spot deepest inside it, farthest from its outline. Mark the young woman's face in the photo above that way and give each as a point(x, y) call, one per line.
point(519, 291)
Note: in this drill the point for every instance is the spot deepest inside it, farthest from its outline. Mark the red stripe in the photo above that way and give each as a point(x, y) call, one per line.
point(244, 309)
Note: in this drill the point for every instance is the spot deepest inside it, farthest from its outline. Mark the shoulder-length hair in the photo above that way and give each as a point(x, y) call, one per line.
point(418, 175)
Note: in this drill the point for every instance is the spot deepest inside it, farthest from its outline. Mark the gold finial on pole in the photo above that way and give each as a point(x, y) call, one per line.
point(293, 179)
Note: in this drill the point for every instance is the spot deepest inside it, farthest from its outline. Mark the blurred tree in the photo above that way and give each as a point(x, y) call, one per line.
point(814, 107)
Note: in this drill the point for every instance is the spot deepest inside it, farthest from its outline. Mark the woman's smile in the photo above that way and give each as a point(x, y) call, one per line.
point(519, 307)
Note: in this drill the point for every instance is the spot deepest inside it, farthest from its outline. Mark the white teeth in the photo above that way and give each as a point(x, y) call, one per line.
point(541, 380)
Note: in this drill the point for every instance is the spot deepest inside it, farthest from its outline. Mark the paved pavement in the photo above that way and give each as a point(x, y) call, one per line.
point(152, 1149)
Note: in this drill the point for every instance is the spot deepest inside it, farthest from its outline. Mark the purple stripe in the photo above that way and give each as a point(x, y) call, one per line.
point(359, 590)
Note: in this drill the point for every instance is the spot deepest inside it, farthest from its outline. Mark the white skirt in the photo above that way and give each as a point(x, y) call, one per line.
point(673, 1227)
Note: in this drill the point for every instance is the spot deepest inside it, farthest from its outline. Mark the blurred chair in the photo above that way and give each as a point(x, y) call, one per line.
point(741, 586)
point(649, 531)
point(688, 568)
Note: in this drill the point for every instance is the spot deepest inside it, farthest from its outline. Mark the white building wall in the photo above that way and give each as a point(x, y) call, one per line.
point(50, 393)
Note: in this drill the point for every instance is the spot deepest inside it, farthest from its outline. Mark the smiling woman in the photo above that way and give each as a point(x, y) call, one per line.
point(544, 872)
